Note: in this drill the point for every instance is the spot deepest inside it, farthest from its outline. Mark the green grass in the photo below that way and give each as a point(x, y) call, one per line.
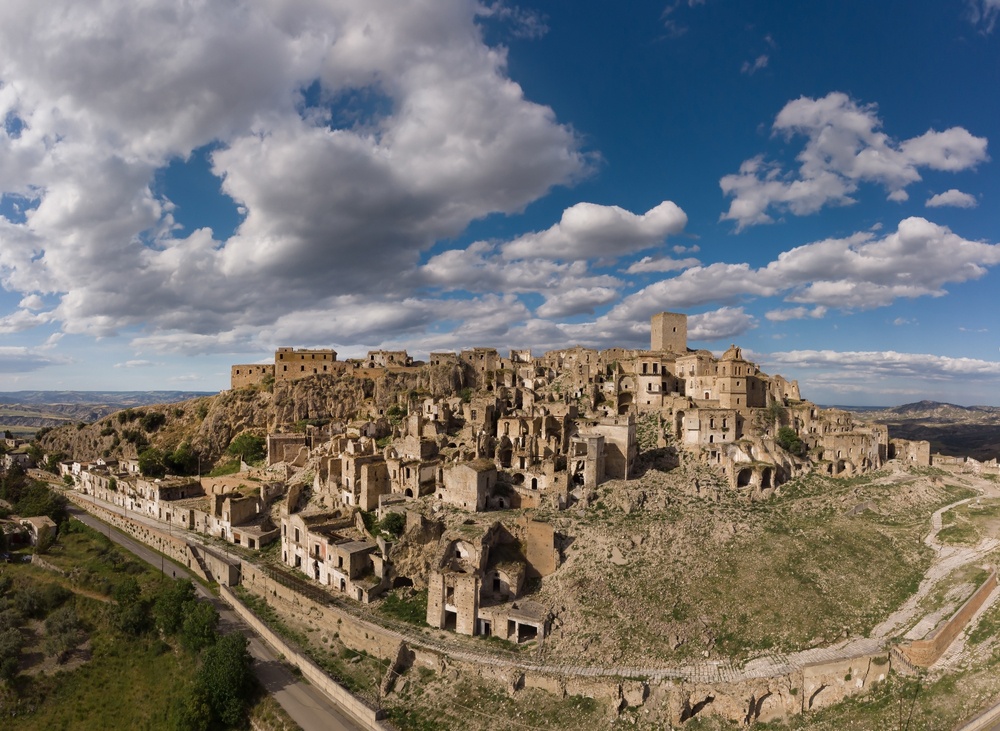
point(226, 468)
point(127, 684)
point(967, 524)
point(412, 609)
point(472, 704)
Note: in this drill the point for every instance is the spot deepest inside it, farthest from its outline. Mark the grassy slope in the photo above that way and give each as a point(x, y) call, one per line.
point(733, 577)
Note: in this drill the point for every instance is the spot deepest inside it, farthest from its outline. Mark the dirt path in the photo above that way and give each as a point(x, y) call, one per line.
point(947, 558)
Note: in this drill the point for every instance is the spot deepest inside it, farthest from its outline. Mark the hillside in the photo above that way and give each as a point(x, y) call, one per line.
point(25, 412)
point(209, 423)
point(960, 431)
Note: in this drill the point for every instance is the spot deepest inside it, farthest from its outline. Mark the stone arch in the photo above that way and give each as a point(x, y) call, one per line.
point(766, 477)
point(744, 477)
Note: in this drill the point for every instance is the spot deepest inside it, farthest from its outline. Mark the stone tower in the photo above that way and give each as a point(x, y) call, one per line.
point(669, 332)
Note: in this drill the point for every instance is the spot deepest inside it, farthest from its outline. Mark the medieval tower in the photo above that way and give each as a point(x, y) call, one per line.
point(669, 332)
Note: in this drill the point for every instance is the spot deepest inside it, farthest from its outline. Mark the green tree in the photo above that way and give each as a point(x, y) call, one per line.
point(183, 460)
point(250, 447)
point(11, 643)
point(63, 632)
point(200, 625)
point(393, 523)
point(169, 605)
point(37, 455)
point(225, 680)
point(151, 463)
point(153, 421)
point(128, 612)
point(788, 440)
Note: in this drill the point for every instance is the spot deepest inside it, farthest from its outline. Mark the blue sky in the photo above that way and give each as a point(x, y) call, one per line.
point(188, 187)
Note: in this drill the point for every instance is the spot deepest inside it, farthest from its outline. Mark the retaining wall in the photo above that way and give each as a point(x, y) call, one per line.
point(928, 651)
point(356, 708)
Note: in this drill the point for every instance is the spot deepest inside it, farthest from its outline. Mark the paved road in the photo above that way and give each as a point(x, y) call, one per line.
point(309, 708)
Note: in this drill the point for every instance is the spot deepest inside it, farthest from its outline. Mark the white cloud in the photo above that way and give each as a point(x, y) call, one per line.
point(751, 67)
point(726, 322)
point(660, 264)
point(588, 230)
point(796, 313)
point(135, 364)
point(110, 94)
point(857, 272)
point(888, 363)
point(983, 13)
point(845, 147)
point(21, 360)
point(952, 197)
point(579, 301)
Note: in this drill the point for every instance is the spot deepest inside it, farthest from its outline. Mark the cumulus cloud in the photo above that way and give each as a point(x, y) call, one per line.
point(889, 363)
point(726, 322)
point(135, 364)
point(106, 95)
point(952, 197)
point(660, 264)
point(22, 360)
point(796, 313)
point(582, 300)
point(588, 230)
point(858, 272)
point(844, 148)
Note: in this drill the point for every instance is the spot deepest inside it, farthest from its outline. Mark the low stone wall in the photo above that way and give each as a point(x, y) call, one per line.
point(748, 701)
point(168, 544)
point(356, 708)
point(926, 652)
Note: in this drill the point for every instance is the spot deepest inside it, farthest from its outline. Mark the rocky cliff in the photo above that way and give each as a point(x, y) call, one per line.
point(208, 424)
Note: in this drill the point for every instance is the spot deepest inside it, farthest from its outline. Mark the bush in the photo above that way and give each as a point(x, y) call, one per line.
point(395, 414)
point(788, 440)
point(250, 447)
point(225, 680)
point(152, 463)
point(393, 523)
point(152, 421)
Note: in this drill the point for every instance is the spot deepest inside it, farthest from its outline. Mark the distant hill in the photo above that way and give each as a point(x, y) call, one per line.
point(25, 412)
point(123, 399)
point(960, 431)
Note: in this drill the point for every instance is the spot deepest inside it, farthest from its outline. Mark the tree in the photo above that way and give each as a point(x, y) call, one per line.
point(393, 523)
point(63, 632)
point(169, 605)
point(11, 642)
point(183, 460)
point(151, 463)
point(225, 680)
point(153, 421)
point(199, 629)
point(250, 447)
point(128, 612)
point(788, 440)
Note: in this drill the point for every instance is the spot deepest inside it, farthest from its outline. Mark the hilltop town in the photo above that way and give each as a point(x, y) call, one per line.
point(488, 491)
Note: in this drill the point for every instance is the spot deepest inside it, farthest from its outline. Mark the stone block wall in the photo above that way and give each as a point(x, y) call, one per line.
point(927, 651)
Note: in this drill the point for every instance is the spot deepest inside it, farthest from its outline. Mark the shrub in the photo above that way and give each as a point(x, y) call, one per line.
point(788, 440)
point(152, 421)
point(250, 447)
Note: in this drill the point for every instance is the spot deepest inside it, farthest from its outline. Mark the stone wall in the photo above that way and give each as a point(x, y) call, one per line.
point(357, 709)
point(927, 651)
